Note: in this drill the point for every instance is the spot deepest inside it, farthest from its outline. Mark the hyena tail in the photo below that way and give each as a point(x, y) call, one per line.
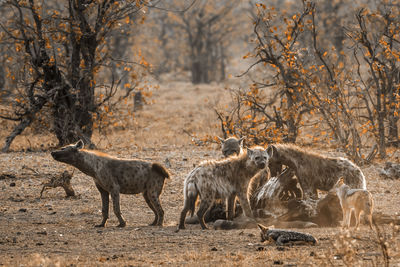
point(191, 195)
point(159, 169)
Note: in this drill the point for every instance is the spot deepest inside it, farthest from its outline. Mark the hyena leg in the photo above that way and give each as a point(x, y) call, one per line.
point(104, 205)
point(116, 207)
point(159, 212)
point(244, 202)
point(205, 205)
point(151, 207)
point(231, 207)
point(186, 208)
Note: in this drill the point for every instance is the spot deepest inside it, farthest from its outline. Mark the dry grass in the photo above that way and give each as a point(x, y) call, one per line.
point(58, 231)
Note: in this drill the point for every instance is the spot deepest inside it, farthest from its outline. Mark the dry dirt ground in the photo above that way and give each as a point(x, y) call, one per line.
point(55, 230)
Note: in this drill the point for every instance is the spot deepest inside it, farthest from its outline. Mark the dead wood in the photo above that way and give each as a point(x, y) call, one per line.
point(62, 180)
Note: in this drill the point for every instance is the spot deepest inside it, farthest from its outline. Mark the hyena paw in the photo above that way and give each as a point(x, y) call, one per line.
point(121, 224)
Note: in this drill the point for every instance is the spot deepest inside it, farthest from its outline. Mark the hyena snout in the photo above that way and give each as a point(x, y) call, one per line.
point(261, 162)
point(56, 155)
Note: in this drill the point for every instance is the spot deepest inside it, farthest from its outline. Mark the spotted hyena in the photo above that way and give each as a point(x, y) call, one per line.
point(315, 171)
point(223, 178)
point(118, 176)
point(231, 146)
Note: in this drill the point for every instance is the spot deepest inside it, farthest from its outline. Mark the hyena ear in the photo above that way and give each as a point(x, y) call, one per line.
point(221, 139)
point(241, 140)
point(271, 150)
point(79, 144)
point(262, 228)
point(249, 151)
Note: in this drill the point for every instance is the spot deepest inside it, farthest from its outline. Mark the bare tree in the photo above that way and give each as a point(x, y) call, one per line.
point(60, 48)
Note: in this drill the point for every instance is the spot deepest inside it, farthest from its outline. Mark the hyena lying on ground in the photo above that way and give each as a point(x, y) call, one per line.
point(114, 176)
point(315, 171)
point(358, 200)
point(223, 178)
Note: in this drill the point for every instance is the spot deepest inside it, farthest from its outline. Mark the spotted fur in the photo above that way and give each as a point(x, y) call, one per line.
point(315, 171)
point(114, 176)
point(224, 178)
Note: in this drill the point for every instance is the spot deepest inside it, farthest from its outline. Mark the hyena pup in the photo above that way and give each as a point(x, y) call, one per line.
point(315, 171)
point(118, 176)
point(224, 178)
point(357, 200)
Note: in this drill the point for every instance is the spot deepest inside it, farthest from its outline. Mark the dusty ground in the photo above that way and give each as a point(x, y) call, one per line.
point(56, 230)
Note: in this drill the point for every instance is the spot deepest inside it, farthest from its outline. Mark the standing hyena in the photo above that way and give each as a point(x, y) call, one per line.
point(223, 178)
point(315, 171)
point(114, 176)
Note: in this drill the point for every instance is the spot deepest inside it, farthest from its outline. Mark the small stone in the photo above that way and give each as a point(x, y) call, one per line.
point(22, 210)
point(278, 262)
point(12, 184)
point(39, 244)
point(214, 249)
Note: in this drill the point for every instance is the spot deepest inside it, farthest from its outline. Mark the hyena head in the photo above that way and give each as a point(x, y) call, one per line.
point(258, 157)
point(231, 146)
point(68, 154)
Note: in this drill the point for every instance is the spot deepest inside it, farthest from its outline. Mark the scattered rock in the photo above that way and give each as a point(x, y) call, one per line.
point(214, 249)
point(167, 163)
point(278, 262)
point(39, 244)
point(15, 199)
point(42, 233)
point(261, 248)
point(22, 210)
point(12, 184)
point(280, 248)
point(4, 176)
